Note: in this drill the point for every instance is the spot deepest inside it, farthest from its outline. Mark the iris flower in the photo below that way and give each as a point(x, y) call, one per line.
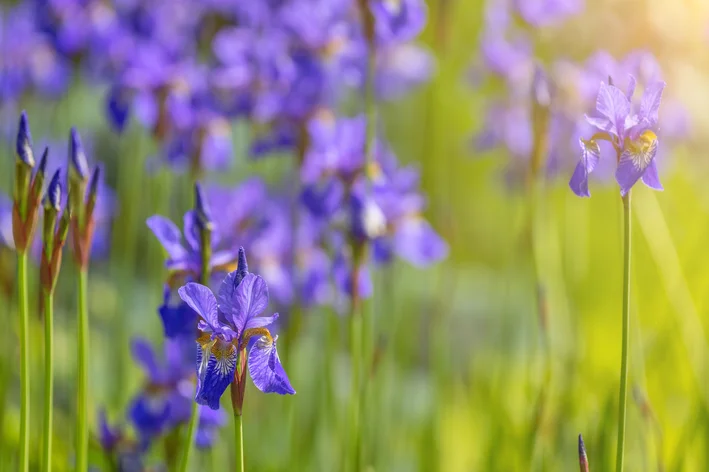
point(186, 259)
point(227, 323)
point(631, 132)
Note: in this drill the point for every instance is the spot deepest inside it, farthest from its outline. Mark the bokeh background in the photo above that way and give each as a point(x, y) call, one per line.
point(494, 358)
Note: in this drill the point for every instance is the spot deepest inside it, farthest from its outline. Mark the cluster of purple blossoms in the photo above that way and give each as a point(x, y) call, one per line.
point(542, 109)
point(184, 71)
point(29, 58)
point(350, 200)
point(164, 402)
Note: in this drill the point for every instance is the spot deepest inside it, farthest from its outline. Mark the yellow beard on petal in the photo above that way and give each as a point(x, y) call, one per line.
point(643, 149)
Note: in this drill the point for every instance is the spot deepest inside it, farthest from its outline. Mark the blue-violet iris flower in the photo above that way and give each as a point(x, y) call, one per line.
point(631, 134)
point(227, 323)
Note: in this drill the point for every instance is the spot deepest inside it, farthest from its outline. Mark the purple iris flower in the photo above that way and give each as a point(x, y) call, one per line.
point(398, 20)
point(164, 403)
point(630, 131)
point(177, 317)
point(228, 322)
point(187, 259)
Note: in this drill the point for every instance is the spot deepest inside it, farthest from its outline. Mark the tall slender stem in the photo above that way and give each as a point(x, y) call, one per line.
point(626, 331)
point(239, 441)
point(191, 433)
point(359, 322)
point(82, 394)
point(206, 238)
point(356, 352)
point(24, 361)
point(48, 377)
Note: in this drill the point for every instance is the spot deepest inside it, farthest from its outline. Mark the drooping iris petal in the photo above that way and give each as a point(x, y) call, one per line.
point(143, 353)
point(149, 414)
point(651, 177)
point(590, 154)
point(169, 236)
point(635, 160)
point(216, 363)
point(614, 105)
point(202, 300)
point(416, 242)
point(266, 370)
point(177, 319)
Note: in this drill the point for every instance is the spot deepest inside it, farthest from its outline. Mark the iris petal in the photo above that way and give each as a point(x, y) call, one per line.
point(651, 178)
point(243, 301)
point(590, 154)
point(216, 363)
point(266, 370)
point(635, 160)
point(417, 242)
point(168, 235)
point(201, 300)
point(143, 353)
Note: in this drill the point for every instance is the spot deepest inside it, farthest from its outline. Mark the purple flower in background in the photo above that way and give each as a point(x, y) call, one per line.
point(187, 259)
point(547, 12)
point(630, 131)
point(228, 322)
point(108, 436)
point(164, 403)
point(177, 317)
point(398, 20)
point(29, 58)
point(6, 238)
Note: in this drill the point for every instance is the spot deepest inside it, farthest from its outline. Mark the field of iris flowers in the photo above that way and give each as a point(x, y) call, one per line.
point(206, 207)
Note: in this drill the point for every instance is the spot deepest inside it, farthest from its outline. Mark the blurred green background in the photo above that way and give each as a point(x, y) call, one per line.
point(461, 380)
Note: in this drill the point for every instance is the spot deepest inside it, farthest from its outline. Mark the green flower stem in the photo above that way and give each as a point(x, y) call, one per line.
point(194, 413)
point(355, 319)
point(48, 377)
point(626, 331)
point(239, 441)
point(24, 361)
point(360, 331)
point(82, 394)
point(189, 441)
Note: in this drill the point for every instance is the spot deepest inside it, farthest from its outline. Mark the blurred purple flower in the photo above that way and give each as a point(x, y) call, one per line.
point(630, 131)
point(540, 13)
point(398, 20)
point(165, 401)
point(187, 259)
point(29, 58)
